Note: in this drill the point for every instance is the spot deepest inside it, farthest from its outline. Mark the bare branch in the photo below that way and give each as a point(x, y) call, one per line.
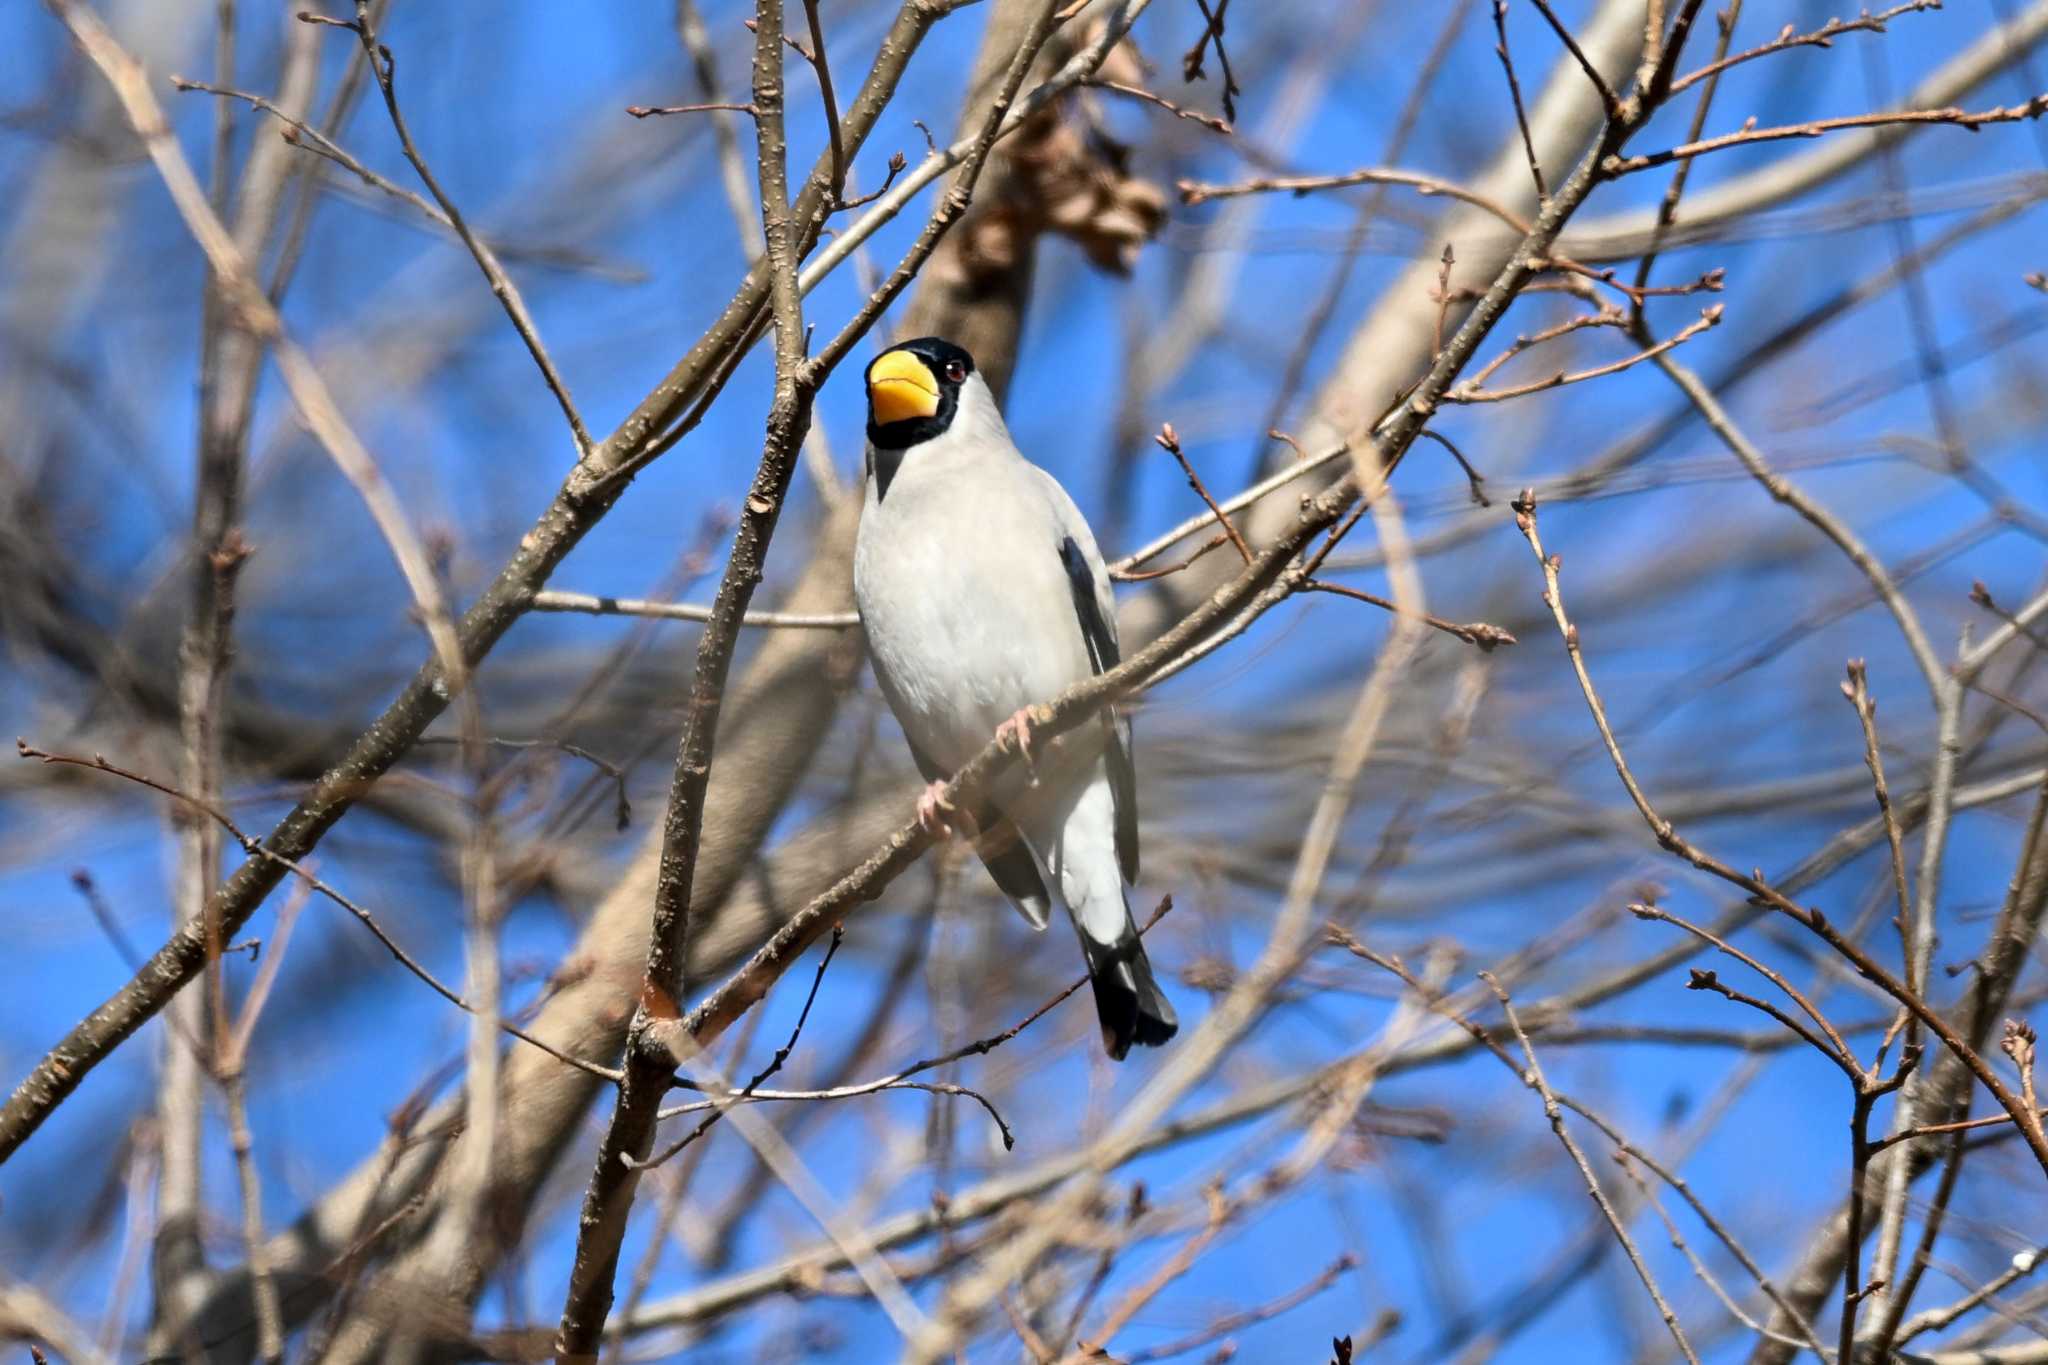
point(1535, 1080)
point(1750, 134)
point(1470, 392)
point(384, 66)
point(1789, 38)
point(685, 611)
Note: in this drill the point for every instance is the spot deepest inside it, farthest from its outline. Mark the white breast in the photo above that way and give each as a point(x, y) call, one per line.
point(967, 608)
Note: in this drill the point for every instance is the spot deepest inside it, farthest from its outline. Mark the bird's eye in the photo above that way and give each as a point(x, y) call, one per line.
point(956, 373)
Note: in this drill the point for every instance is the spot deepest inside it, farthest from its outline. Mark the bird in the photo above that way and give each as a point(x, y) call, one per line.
point(982, 593)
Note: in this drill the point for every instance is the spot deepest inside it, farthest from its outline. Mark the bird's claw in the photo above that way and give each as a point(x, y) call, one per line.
point(1015, 733)
point(938, 816)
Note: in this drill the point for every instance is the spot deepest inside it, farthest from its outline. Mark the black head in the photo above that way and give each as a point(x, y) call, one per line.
point(914, 390)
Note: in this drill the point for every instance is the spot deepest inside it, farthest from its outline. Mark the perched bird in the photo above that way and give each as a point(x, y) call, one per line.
point(982, 594)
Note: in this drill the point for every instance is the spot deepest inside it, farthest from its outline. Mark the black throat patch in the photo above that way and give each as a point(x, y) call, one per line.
point(889, 442)
point(883, 462)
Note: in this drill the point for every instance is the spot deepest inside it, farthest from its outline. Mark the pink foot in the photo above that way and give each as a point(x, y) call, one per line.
point(1015, 733)
point(935, 813)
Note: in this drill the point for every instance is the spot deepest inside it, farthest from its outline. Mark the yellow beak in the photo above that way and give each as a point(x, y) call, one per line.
point(901, 387)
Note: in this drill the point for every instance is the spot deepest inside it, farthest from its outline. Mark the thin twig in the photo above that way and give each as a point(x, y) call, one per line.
point(216, 552)
point(1479, 633)
point(595, 605)
point(1124, 575)
point(1191, 61)
point(1469, 392)
point(1443, 306)
point(753, 1086)
point(1953, 116)
point(259, 316)
point(1608, 100)
point(1857, 690)
point(1935, 1129)
point(1833, 1047)
point(1934, 1319)
point(1669, 839)
point(1608, 316)
point(1237, 1322)
point(881, 1281)
point(1787, 38)
point(1105, 1261)
point(384, 66)
point(1475, 482)
point(1169, 442)
point(254, 849)
point(303, 135)
point(964, 152)
point(1194, 192)
point(1500, 50)
point(616, 775)
point(1674, 191)
point(819, 64)
point(900, 1079)
point(732, 169)
point(1533, 1078)
point(1094, 1346)
point(2015, 625)
point(661, 110)
point(230, 1073)
point(1136, 92)
point(895, 168)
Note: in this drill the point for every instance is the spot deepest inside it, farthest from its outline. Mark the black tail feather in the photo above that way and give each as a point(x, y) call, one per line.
point(1128, 1000)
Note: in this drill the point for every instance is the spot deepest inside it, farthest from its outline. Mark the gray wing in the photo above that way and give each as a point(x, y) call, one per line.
point(1095, 608)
